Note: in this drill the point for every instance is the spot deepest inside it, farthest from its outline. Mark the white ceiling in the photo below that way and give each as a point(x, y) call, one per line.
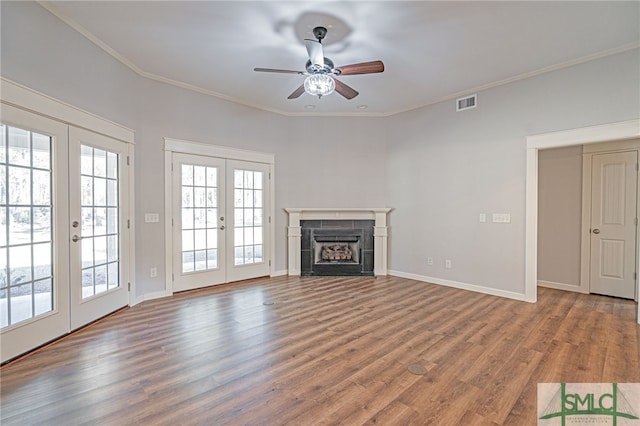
point(431, 50)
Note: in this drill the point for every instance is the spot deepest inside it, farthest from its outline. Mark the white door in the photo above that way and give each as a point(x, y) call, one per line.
point(219, 221)
point(198, 221)
point(98, 197)
point(34, 242)
point(248, 244)
point(613, 224)
point(63, 229)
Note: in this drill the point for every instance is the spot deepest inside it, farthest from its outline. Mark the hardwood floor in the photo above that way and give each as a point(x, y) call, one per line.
point(324, 351)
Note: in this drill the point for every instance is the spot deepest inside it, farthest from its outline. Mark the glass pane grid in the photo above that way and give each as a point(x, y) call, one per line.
point(26, 227)
point(99, 211)
point(248, 215)
point(199, 210)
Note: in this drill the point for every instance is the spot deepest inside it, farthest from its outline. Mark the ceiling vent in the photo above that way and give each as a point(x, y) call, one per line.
point(467, 102)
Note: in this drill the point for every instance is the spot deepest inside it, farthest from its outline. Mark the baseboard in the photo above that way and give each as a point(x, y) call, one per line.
point(463, 286)
point(151, 296)
point(280, 273)
point(562, 286)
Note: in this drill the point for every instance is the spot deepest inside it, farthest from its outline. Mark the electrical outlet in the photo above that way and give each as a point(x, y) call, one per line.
point(153, 272)
point(429, 260)
point(447, 263)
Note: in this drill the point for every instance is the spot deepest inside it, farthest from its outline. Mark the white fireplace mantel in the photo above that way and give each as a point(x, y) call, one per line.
point(379, 215)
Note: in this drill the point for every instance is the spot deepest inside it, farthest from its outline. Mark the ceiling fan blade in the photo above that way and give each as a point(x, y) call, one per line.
point(278, 71)
point(296, 93)
point(345, 90)
point(315, 51)
point(362, 68)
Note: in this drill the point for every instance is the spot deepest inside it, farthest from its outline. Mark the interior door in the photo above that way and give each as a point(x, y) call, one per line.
point(99, 225)
point(199, 222)
point(220, 224)
point(613, 224)
point(34, 291)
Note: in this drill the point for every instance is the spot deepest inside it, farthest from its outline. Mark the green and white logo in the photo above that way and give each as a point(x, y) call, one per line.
point(563, 404)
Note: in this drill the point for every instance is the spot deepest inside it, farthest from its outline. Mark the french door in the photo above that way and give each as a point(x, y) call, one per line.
point(63, 241)
point(220, 221)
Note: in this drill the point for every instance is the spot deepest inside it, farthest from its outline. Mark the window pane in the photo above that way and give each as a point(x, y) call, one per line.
point(19, 265)
point(20, 301)
point(187, 174)
point(86, 160)
point(19, 186)
point(112, 248)
point(112, 165)
point(201, 260)
point(99, 163)
point(99, 192)
point(112, 192)
point(257, 180)
point(238, 178)
point(41, 185)
point(187, 240)
point(188, 261)
point(200, 240)
point(87, 252)
point(199, 176)
point(19, 147)
point(19, 225)
point(212, 176)
point(42, 267)
point(87, 283)
point(113, 278)
point(248, 179)
point(212, 259)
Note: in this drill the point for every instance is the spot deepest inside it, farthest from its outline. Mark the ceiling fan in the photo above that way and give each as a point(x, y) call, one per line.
point(321, 73)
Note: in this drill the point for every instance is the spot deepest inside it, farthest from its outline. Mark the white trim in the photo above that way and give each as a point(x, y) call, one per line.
point(562, 286)
point(168, 223)
point(30, 100)
point(462, 286)
point(629, 129)
point(586, 135)
point(199, 148)
point(280, 273)
point(145, 74)
point(152, 296)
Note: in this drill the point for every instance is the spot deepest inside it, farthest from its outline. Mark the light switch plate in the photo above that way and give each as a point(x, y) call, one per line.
point(483, 217)
point(501, 218)
point(152, 217)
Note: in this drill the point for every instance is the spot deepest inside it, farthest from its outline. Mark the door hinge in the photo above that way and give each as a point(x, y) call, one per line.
point(128, 224)
point(635, 221)
point(173, 277)
point(269, 219)
point(635, 276)
point(128, 161)
point(171, 166)
point(269, 263)
point(128, 286)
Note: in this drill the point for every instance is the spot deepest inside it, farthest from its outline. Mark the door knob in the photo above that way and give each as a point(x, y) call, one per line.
point(222, 227)
point(596, 231)
point(76, 238)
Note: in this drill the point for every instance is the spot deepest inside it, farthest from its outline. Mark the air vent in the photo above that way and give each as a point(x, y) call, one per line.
point(467, 102)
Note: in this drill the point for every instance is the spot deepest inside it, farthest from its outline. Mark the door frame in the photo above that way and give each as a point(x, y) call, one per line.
point(585, 247)
point(39, 104)
point(172, 146)
point(581, 136)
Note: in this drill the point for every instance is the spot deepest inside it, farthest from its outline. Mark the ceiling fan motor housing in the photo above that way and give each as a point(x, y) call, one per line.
point(314, 69)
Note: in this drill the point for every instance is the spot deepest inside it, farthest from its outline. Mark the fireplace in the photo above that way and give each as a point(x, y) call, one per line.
point(354, 241)
point(336, 248)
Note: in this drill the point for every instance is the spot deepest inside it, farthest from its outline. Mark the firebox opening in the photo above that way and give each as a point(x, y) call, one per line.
point(337, 251)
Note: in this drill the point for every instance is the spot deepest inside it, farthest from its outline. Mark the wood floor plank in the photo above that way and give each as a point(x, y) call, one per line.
point(325, 351)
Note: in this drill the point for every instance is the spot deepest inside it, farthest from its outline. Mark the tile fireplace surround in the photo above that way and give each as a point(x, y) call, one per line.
point(379, 215)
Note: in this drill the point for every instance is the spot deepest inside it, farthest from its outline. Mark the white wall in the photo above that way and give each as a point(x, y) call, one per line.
point(438, 169)
point(559, 215)
point(445, 168)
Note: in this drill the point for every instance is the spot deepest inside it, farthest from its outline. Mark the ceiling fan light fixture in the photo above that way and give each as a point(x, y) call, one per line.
point(319, 85)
